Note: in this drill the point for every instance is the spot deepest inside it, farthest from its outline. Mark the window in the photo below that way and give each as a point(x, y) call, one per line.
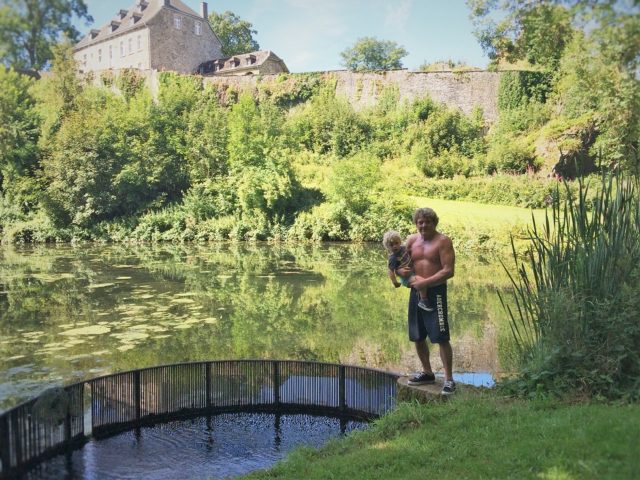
point(99, 55)
point(110, 52)
point(198, 28)
point(130, 45)
point(177, 22)
point(139, 43)
point(84, 59)
point(122, 49)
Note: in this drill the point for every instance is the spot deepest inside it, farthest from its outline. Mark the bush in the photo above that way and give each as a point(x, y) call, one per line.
point(169, 224)
point(577, 296)
point(513, 156)
point(37, 229)
point(447, 165)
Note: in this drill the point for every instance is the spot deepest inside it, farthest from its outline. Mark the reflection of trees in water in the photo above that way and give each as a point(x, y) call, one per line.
point(324, 303)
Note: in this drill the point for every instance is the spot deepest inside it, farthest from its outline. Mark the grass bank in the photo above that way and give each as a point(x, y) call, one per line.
point(481, 227)
point(480, 436)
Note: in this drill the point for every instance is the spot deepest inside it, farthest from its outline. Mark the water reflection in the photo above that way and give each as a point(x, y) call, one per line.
point(68, 313)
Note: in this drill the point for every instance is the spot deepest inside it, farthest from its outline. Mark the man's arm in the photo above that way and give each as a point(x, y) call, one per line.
point(447, 260)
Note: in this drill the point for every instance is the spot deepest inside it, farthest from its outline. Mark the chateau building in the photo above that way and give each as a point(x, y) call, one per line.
point(151, 35)
point(253, 63)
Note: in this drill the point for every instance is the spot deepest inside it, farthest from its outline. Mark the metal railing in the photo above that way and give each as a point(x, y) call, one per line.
point(55, 421)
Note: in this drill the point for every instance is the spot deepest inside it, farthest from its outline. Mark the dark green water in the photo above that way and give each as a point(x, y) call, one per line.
point(69, 313)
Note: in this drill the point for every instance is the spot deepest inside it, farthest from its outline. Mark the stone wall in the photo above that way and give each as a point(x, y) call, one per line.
point(464, 90)
point(457, 90)
point(181, 49)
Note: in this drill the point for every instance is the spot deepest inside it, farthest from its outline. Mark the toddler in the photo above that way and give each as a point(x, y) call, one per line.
point(400, 257)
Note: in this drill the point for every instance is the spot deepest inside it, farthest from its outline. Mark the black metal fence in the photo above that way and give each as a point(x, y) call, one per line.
point(55, 421)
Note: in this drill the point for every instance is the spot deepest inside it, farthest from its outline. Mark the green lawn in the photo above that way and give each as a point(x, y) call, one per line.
point(481, 436)
point(477, 226)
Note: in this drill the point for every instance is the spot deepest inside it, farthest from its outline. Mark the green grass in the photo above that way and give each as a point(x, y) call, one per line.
point(480, 436)
point(477, 226)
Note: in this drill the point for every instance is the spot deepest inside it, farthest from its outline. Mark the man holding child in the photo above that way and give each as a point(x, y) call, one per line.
point(433, 264)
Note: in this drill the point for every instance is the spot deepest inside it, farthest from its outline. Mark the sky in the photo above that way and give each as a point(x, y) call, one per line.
point(310, 34)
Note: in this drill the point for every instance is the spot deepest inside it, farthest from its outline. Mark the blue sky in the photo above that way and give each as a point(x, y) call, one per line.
point(310, 34)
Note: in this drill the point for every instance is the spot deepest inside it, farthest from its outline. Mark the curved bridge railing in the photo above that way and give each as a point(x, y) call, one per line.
point(63, 418)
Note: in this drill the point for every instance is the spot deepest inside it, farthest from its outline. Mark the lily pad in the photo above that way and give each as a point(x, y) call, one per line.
point(100, 285)
point(182, 300)
point(91, 330)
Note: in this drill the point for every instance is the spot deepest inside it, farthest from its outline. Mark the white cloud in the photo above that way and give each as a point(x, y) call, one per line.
point(397, 14)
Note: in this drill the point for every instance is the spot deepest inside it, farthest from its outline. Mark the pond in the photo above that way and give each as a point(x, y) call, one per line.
point(215, 447)
point(74, 312)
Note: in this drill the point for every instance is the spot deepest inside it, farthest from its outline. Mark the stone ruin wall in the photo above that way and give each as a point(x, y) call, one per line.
point(463, 90)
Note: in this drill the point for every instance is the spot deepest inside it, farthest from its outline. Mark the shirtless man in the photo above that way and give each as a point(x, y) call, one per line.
point(433, 263)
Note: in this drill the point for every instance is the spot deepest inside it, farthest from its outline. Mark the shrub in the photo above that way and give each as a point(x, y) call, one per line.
point(36, 229)
point(511, 156)
point(577, 296)
point(447, 165)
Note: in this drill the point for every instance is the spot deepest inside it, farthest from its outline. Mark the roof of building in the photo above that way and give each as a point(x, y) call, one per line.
point(222, 65)
point(123, 19)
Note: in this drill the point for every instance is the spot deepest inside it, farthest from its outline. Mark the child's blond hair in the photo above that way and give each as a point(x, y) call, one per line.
point(388, 237)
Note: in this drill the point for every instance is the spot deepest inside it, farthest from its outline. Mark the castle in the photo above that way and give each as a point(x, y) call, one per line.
point(166, 35)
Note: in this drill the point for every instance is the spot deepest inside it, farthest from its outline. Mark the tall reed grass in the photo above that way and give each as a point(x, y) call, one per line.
point(575, 314)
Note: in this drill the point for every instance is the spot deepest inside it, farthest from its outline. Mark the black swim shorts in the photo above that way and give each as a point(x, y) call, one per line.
point(423, 324)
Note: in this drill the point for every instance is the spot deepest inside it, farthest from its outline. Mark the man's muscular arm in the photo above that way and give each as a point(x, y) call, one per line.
point(447, 260)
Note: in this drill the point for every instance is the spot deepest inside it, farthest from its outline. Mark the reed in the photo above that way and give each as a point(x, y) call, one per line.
point(574, 311)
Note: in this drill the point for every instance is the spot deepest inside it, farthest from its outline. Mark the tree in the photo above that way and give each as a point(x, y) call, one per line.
point(591, 47)
point(29, 28)
point(369, 53)
point(534, 31)
point(235, 34)
point(18, 132)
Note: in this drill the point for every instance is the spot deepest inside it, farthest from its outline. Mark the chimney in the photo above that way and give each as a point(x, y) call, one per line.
point(204, 10)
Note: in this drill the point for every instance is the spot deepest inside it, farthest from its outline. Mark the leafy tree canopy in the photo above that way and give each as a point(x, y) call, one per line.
point(369, 53)
point(235, 34)
point(540, 31)
point(29, 28)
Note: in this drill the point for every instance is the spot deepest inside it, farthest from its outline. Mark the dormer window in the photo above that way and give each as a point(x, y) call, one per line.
point(114, 25)
point(142, 4)
point(177, 22)
point(94, 33)
point(251, 59)
point(198, 28)
point(233, 62)
point(135, 17)
point(122, 14)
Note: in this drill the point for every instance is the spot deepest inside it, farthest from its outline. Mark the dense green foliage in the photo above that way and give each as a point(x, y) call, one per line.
point(586, 55)
point(235, 34)
point(479, 436)
point(198, 163)
point(30, 28)
point(289, 160)
point(369, 53)
point(577, 297)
